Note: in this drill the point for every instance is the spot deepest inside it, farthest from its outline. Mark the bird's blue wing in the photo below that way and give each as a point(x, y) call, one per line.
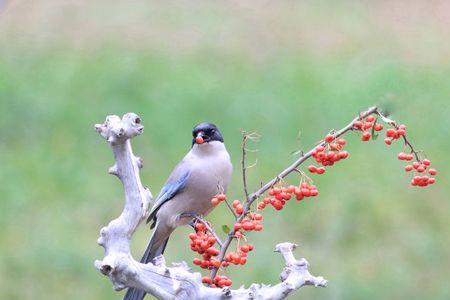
point(173, 186)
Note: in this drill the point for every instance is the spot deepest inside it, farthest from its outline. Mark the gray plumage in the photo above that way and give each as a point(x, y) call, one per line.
point(201, 174)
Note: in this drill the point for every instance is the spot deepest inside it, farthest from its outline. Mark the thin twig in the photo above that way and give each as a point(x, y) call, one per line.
point(231, 209)
point(253, 136)
point(252, 197)
point(244, 152)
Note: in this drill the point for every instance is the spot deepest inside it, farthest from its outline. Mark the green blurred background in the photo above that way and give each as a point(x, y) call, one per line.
point(279, 68)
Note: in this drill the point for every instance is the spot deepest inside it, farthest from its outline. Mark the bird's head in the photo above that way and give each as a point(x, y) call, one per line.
point(206, 133)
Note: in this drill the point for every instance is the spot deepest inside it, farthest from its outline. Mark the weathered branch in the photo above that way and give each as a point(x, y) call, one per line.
point(155, 278)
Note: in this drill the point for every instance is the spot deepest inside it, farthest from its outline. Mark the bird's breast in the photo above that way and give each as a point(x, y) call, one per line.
point(208, 176)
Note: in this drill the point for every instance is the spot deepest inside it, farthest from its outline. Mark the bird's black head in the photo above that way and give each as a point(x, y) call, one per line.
point(207, 131)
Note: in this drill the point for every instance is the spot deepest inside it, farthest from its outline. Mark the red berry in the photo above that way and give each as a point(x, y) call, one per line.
point(206, 279)
point(343, 154)
point(237, 226)
point(221, 197)
point(199, 140)
point(401, 156)
point(341, 142)
point(367, 125)
point(426, 162)
point(329, 138)
point(306, 192)
point(278, 205)
point(312, 169)
point(216, 263)
point(244, 248)
point(388, 141)
point(239, 209)
point(235, 203)
point(432, 172)
point(258, 227)
point(290, 189)
point(358, 124)
point(366, 136)
point(214, 201)
point(320, 170)
point(286, 196)
point(390, 132)
point(248, 226)
point(258, 217)
point(319, 149)
point(408, 168)
point(431, 180)
point(370, 118)
point(378, 127)
point(200, 227)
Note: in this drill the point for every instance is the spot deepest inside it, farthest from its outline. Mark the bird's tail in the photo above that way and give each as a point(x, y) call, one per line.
point(156, 246)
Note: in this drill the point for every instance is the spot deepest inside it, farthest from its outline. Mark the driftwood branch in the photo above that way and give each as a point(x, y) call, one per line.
point(163, 282)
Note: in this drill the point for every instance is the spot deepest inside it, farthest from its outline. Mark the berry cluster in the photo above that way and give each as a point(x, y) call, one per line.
point(219, 281)
point(202, 242)
point(239, 257)
point(421, 167)
point(280, 195)
point(370, 123)
point(394, 134)
point(252, 221)
point(328, 154)
point(238, 207)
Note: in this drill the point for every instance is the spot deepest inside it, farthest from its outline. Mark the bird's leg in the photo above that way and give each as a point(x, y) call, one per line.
point(199, 218)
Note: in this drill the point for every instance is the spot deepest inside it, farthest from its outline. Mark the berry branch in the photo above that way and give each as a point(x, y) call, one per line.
point(326, 152)
point(251, 198)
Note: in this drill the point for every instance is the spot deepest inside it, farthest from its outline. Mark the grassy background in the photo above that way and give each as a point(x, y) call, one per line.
point(278, 68)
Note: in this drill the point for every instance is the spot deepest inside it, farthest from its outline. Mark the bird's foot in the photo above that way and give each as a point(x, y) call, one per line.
point(195, 217)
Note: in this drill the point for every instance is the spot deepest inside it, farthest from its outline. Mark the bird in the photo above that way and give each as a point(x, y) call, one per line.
point(203, 172)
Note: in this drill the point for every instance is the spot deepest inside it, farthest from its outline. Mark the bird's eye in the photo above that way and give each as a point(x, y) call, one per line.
point(137, 121)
